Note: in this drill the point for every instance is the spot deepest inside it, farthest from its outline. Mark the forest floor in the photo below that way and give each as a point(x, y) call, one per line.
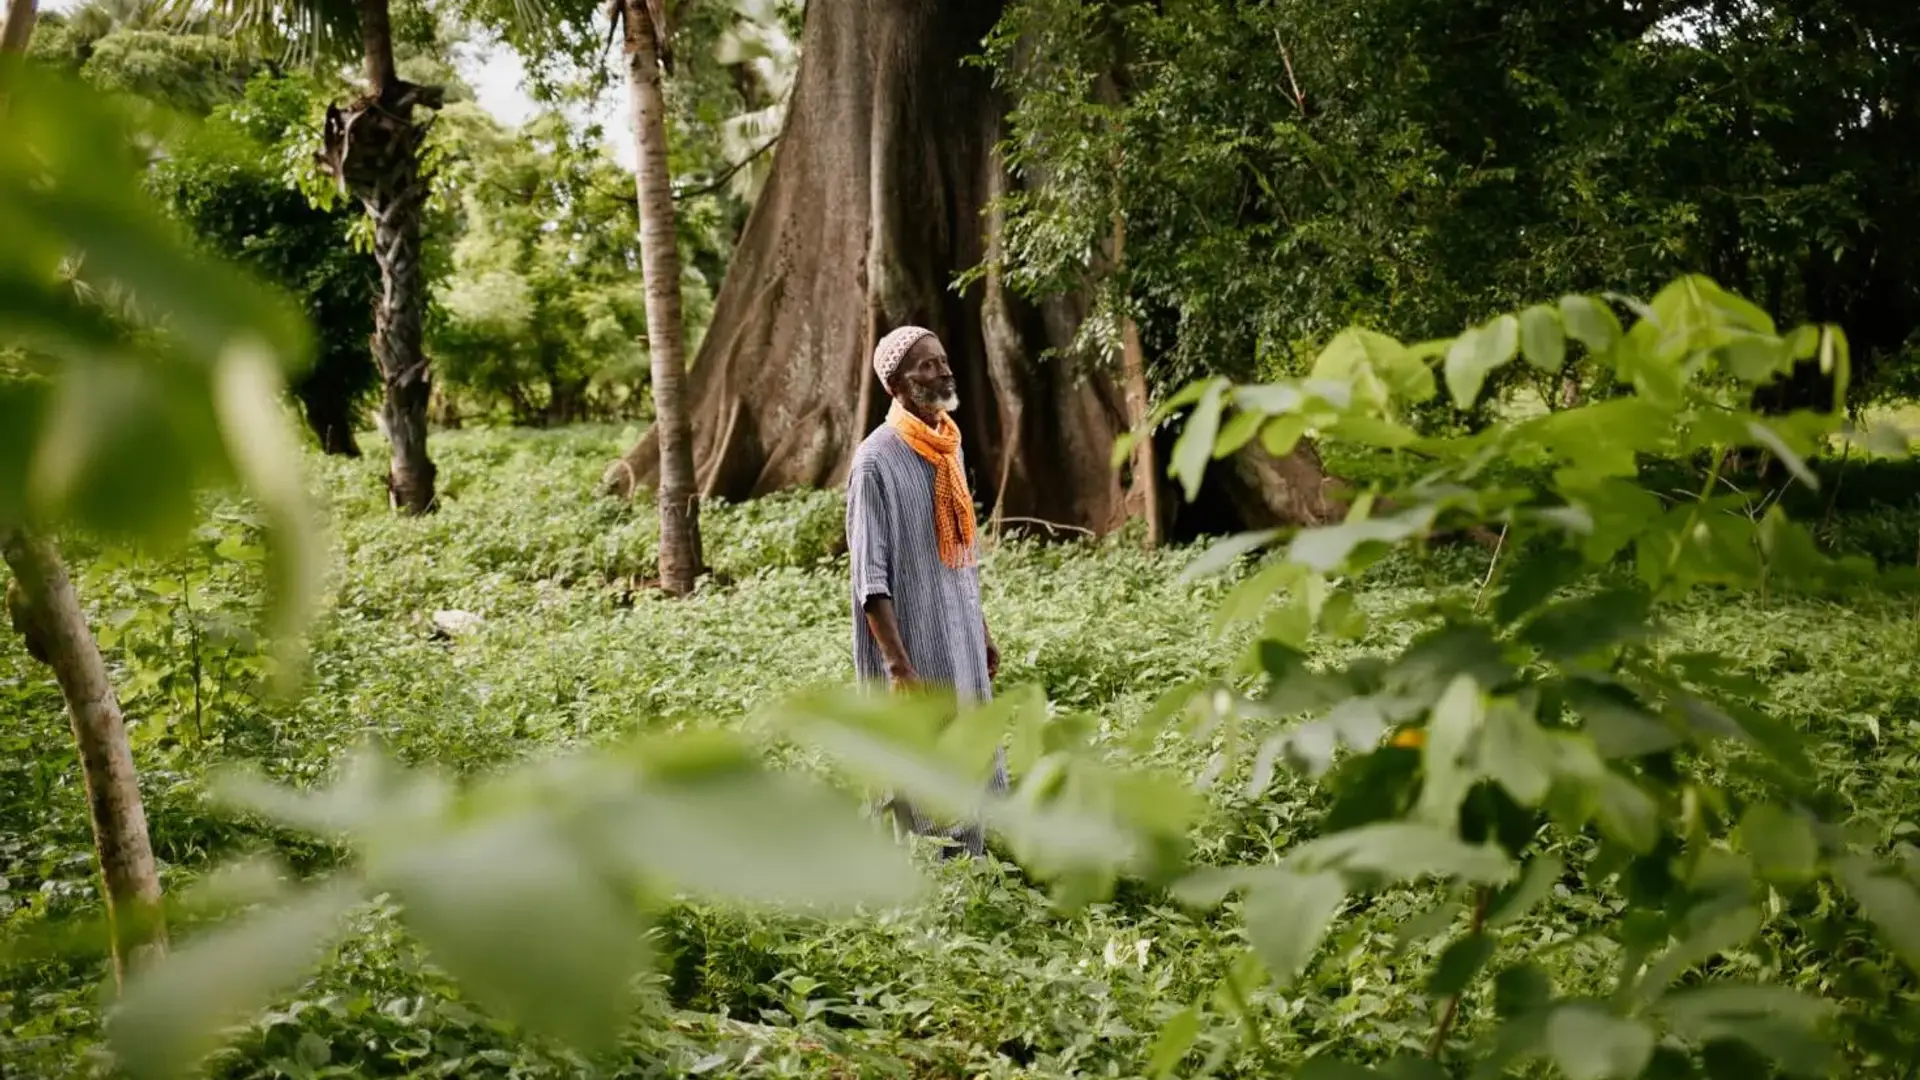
point(982, 980)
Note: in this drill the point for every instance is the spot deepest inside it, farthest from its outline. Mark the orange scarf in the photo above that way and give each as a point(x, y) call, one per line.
point(952, 503)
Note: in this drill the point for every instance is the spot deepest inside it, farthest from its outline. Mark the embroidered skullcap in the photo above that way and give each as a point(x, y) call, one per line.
point(894, 347)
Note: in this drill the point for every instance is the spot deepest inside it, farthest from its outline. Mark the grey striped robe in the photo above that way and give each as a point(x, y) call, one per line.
point(895, 553)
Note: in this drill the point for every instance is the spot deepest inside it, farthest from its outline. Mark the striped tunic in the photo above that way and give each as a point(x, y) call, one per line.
point(895, 553)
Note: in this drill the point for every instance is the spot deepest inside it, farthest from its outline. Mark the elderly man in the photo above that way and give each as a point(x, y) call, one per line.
point(910, 535)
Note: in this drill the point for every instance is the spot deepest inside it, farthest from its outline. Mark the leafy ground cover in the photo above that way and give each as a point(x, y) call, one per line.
point(985, 978)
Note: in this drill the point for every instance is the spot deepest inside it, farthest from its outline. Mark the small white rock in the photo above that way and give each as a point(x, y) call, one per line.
point(456, 623)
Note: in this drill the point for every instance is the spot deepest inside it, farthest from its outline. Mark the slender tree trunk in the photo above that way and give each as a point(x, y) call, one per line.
point(372, 149)
point(660, 265)
point(46, 612)
point(1133, 375)
point(376, 47)
point(18, 29)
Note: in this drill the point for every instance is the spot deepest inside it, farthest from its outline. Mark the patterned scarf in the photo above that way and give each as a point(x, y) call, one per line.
point(952, 503)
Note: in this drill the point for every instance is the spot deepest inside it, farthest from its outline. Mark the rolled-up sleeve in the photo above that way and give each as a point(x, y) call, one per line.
point(867, 536)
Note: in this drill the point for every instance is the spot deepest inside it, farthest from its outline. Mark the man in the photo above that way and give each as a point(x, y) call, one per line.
point(910, 537)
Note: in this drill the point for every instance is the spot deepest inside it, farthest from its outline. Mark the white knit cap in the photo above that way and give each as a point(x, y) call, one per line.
point(894, 348)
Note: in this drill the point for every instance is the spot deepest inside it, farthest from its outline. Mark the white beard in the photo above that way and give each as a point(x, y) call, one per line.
point(950, 403)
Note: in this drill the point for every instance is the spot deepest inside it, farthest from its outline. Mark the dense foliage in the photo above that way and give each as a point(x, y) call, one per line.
point(1287, 169)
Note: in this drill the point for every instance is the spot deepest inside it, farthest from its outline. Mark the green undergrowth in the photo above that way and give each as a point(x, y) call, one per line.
point(571, 647)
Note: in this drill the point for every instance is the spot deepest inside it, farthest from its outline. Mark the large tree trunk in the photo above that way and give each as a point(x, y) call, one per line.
point(875, 201)
point(660, 265)
point(43, 607)
point(372, 149)
point(18, 28)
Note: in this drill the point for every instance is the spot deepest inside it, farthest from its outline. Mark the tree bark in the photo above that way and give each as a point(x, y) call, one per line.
point(44, 609)
point(1133, 372)
point(660, 266)
point(18, 28)
point(877, 197)
point(372, 149)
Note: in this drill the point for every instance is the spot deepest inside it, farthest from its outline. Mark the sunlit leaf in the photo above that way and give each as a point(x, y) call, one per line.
point(172, 1014)
point(1170, 1046)
point(514, 910)
point(1590, 322)
point(1402, 851)
point(1478, 353)
point(1543, 340)
point(732, 838)
point(1225, 553)
point(1195, 446)
point(1287, 916)
point(1327, 548)
point(1787, 456)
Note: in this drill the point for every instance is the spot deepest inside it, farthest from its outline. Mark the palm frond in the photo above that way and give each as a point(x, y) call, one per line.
point(305, 31)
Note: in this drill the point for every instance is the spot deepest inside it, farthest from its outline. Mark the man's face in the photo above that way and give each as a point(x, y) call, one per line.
point(923, 381)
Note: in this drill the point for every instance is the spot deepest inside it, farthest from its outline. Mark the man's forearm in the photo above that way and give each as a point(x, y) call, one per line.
point(886, 634)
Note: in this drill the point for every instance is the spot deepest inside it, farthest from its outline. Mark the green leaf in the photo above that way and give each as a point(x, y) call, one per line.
point(1779, 1022)
point(513, 910)
point(1782, 844)
point(1704, 940)
point(1534, 579)
point(1888, 900)
point(731, 837)
point(1249, 598)
point(1576, 628)
point(1175, 1039)
point(1543, 341)
point(1515, 753)
point(173, 1013)
point(1451, 730)
point(1326, 1068)
point(1521, 989)
point(1628, 814)
point(1288, 915)
point(1227, 552)
point(1195, 446)
point(1237, 432)
point(1282, 434)
point(1461, 961)
point(1327, 548)
point(1430, 923)
point(1590, 322)
point(1787, 456)
point(1620, 725)
point(1590, 1043)
point(1402, 851)
point(1478, 353)
point(1536, 884)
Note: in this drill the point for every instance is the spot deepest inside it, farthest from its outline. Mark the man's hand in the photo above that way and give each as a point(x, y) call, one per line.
point(993, 658)
point(901, 676)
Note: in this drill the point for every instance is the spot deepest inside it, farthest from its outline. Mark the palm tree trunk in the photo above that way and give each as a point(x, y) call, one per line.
point(46, 612)
point(372, 149)
point(376, 47)
point(660, 265)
